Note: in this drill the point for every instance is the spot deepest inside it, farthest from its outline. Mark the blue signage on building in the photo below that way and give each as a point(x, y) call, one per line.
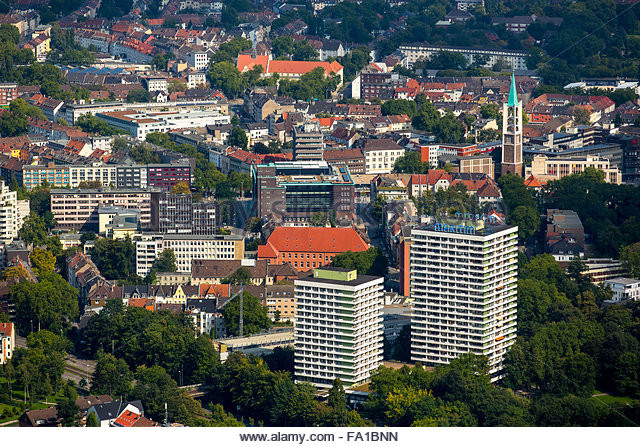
point(490, 219)
point(462, 229)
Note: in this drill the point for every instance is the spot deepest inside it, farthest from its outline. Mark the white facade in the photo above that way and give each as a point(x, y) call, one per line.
point(464, 291)
point(338, 328)
point(106, 175)
point(9, 219)
point(198, 60)
point(515, 60)
point(139, 124)
point(624, 289)
point(7, 341)
point(195, 80)
point(381, 161)
point(186, 248)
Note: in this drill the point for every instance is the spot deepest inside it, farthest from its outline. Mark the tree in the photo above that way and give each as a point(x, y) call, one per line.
point(42, 261)
point(410, 163)
point(114, 258)
point(92, 420)
point(240, 276)
point(581, 115)
point(14, 122)
point(50, 303)
point(111, 376)
point(91, 124)
point(219, 418)
point(304, 52)
point(176, 85)
point(368, 262)
point(181, 188)
point(228, 51)
point(49, 342)
point(139, 95)
point(34, 230)
point(444, 60)
point(238, 137)
point(225, 76)
point(254, 314)
point(18, 272)
point(318, 219)
point(399, 107)
point(166, 261)
point(282, 46)
point(527, 220)
point(154, 387)
point(630, 257)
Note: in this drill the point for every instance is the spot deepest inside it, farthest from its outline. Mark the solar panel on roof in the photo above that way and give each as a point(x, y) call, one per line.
point(345, 177)
point(342, 170)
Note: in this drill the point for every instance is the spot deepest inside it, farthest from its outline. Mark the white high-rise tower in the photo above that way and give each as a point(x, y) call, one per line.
point(463, 283)
point(338, 328)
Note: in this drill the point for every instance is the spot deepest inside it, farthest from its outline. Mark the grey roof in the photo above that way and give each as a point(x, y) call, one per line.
point(566, 247)
point(111, 410)
point(203, 304)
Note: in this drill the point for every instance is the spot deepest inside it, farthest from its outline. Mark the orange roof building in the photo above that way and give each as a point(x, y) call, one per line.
point(286, 69)
point(306, 248)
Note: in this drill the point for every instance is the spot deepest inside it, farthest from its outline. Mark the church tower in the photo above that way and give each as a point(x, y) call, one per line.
point(512, 133)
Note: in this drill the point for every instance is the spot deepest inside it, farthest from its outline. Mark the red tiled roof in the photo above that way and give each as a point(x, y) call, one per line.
point(431, 177)
point(247, 62)
point(126, 419)
point(6, 329)
point(312, 239)
point(221, 290)
point(532, 182)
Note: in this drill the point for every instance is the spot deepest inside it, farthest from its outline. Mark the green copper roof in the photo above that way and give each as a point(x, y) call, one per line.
point(513, 94)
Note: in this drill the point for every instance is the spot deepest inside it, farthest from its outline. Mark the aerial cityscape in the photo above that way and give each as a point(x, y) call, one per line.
point(319, 213)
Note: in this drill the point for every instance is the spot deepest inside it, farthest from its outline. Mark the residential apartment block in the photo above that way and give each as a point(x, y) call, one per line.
point(380, 155)
point(12, 212)
point(463, 283)
point(186, 249)
point(8, 92)
point(624, 289)
point(163, 176)
point(338, 329)
point(515, 60)
point(77, 209)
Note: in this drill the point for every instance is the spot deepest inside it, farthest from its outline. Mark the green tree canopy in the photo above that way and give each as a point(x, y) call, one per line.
point(369, 262)
point(410, 163)
point(254, 315)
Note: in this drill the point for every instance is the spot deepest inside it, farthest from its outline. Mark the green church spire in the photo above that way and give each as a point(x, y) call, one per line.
point(513, 94)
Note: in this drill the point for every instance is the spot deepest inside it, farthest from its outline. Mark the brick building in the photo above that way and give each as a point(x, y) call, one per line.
point(306, 248)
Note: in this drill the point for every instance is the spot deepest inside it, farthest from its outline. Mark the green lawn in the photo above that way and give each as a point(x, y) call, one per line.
point(17, 395)
point(614, 401)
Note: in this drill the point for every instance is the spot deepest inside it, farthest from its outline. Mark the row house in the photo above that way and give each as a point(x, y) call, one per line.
point(54, 131)
point(101, 41)
point(133, 50)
